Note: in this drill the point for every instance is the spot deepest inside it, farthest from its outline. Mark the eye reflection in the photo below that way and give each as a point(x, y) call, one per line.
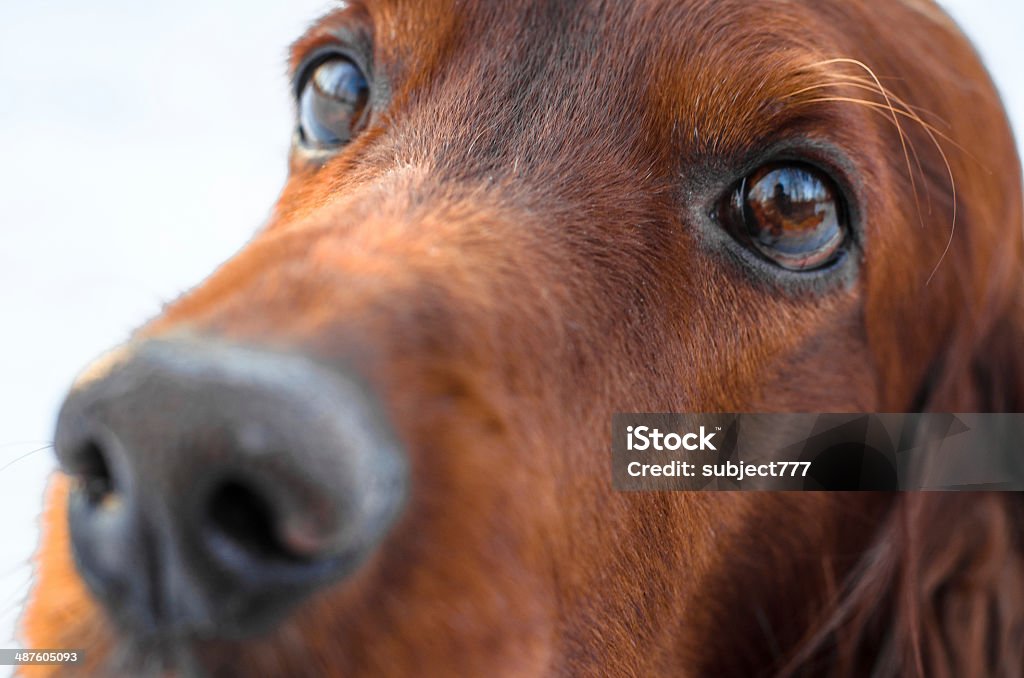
point(790, 214)
point(332, 103)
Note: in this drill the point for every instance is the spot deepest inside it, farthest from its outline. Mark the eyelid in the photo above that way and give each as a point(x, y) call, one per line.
point(317, 56)
point(349, 27)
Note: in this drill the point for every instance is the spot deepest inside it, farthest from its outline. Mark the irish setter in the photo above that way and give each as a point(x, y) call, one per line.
point(375, 442)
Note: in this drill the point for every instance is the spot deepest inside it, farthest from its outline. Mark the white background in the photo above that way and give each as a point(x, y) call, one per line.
point(141, 143)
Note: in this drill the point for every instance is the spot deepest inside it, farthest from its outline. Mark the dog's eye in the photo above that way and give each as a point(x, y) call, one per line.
point(332, 103)
point(791, 214)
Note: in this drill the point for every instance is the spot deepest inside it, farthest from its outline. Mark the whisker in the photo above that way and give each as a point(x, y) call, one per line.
point(870, 84)
point(26, 455)
point(942, 153)
point(883, 109)
point(895, 118)
point(880, 109)
point(908, 113)
point(933, 134)
point(21, 443)
point(16, 600)
point(907, 110)
point(23, 563)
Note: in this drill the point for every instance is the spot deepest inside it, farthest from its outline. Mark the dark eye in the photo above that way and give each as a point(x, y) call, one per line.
point(332, 103)
point(792, 215)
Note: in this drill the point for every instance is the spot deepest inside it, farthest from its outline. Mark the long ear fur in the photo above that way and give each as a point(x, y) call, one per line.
point(941, 591)
point(940, 594)
point(985, 374)
point(999, 363)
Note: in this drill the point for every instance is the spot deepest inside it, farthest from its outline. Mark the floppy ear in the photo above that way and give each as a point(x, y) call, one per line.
point(998, 367)
point(982, 366)
point(941, 590)
point(961, 584)
point(941, 593)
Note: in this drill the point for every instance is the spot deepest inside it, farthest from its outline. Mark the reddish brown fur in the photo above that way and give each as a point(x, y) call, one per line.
point(510, 254)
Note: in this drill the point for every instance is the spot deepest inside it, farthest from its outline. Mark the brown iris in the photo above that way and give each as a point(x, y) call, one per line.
point(790, 214)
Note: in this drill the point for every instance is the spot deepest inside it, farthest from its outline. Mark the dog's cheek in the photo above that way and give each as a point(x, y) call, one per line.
point(60, 613)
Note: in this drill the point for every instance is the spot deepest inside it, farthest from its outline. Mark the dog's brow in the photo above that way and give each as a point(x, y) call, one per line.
point(348, 13)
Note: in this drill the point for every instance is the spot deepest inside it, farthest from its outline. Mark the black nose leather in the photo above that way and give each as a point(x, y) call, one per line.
point(216, 486)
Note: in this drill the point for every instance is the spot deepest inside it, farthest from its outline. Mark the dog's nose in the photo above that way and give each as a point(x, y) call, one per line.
point(216, 486)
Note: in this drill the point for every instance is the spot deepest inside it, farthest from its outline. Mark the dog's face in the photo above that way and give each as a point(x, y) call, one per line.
point(505, 222)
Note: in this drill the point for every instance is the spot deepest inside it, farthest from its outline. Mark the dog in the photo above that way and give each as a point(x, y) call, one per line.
point(375, 441)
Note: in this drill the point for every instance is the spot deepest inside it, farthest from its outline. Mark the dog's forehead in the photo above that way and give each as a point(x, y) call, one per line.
point(552, 74)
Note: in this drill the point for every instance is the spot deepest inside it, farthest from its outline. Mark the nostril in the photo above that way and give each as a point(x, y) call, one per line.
point(246, 520)
point(216, 486)
point(93, 471)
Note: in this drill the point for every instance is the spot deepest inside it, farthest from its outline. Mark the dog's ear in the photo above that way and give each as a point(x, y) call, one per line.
point(982, 366)
point(941, 593)
point(998, 367)
point(958, 585)
point(961, 581)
